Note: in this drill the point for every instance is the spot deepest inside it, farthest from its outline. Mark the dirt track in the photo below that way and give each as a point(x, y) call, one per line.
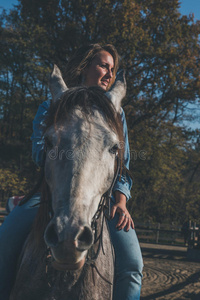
point(168, 274)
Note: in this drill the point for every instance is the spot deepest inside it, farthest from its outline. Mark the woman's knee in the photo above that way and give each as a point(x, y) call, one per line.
point(134, 264)
point(128, 253)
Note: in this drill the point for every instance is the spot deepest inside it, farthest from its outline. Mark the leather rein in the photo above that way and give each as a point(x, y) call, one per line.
point(103, 207)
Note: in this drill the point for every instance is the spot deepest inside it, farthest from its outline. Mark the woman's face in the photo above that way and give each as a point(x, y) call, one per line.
point(100, 71)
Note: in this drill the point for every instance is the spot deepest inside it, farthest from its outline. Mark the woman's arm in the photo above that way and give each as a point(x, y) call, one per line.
point(124, 183)
point(37, 136)
point(122, 187)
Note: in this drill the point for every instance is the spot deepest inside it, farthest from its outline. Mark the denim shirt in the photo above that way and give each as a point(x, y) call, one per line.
point(122, 184)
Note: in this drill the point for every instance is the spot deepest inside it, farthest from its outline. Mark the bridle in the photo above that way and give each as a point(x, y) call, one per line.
point(104, 208)
point(106, 198)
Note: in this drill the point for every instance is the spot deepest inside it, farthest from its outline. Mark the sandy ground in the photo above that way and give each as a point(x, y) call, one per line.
point(169, 274)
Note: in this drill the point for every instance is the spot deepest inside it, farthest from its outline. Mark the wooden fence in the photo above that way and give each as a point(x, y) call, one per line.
point(169, 234)
point(160, 233)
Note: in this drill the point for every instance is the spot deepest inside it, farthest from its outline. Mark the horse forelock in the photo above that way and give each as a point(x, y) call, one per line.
point(87, 99)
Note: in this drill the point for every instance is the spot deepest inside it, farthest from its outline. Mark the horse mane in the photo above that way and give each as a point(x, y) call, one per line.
point(87, 99)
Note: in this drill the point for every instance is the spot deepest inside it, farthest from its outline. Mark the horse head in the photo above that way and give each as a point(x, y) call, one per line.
point(82, 141)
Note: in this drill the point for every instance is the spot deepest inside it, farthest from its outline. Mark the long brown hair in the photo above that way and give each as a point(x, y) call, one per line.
point(82, 58)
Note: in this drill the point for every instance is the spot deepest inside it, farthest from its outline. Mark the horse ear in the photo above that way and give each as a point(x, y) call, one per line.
point(56, 84)
point(118, 90)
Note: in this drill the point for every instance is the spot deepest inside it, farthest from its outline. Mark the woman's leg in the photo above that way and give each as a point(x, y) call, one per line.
point(128, 263)
point(13, 233)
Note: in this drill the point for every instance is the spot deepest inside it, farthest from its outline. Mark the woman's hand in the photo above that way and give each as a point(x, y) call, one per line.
point(125, 219)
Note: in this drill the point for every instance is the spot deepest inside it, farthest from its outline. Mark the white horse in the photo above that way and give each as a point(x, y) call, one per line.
point(82, 142)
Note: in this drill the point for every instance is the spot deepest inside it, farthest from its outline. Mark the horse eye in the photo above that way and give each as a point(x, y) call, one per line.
point(114, 149)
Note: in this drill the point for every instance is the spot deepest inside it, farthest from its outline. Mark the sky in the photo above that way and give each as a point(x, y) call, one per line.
point(190, 6)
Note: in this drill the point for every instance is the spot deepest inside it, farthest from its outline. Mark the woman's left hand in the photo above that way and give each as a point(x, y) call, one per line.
point(125, 219)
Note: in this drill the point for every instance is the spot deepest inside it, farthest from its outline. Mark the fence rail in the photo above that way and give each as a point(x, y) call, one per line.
point(152, 235)
point(169, 234)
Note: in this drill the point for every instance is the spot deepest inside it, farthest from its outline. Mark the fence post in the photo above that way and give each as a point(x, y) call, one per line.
point(157, 233)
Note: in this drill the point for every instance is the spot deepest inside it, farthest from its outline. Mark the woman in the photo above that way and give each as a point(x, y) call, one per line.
point(93, 65)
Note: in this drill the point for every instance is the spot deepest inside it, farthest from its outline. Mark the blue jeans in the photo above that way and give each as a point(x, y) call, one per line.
point(13, 233)
point(15, 229)
point(128, 263)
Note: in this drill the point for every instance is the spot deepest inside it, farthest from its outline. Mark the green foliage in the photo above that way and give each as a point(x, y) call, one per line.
point(12, 183)
point(159, 50)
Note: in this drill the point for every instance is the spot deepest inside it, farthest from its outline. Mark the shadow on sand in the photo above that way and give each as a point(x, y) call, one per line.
point(175, 255)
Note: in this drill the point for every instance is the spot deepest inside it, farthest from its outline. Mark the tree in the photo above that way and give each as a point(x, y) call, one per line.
point(159, 49)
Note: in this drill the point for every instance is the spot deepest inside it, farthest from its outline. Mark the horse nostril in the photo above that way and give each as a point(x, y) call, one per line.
point(84, 238)
point(51, 237)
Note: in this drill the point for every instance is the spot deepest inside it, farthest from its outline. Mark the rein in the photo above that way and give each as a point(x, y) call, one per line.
point(105, 199)
point(103, 207)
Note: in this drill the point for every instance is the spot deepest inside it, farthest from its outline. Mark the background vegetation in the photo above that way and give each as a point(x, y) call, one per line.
point(160, 51)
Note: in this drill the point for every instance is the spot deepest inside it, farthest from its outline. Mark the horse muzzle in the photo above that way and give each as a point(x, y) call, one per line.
point(68, 246)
